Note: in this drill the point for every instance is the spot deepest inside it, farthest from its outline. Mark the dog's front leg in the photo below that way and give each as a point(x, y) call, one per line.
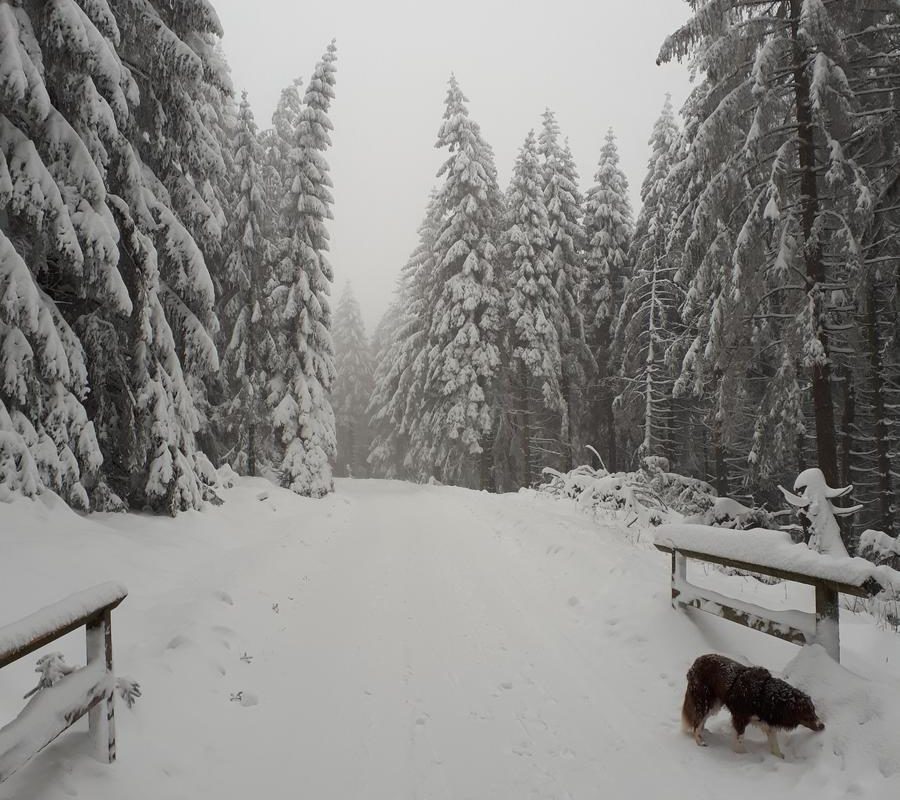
point(773, 743)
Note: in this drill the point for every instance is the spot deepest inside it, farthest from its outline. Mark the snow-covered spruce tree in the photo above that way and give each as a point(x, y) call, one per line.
point(559, 183)
point(384, 459)
point(96, 231)
point(777, 123)
point(183, 82)
point(303, 417)
point(279, 139)
point(609, 225)
point(647, 318)
point(352, 387)
point(400, 447)
point(250, 350)
point(535, 358)
point(463, 293)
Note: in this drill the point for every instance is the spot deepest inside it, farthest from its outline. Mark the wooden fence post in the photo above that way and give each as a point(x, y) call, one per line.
point(101, 718)
point(828, 611)
point(679, 574)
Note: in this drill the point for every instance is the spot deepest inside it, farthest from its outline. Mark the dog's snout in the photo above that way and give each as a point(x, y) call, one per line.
point(819, 725)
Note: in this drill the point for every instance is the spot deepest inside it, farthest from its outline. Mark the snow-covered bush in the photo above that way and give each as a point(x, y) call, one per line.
point(880, 548)
point(726, 512)
point(636, 497)
point(679, 492)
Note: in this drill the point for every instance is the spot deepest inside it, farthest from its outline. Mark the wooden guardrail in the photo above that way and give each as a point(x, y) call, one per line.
point(89, 690)
point(764, 556)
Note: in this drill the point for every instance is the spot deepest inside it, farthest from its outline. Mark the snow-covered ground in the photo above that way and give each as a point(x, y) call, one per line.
point(396, 641)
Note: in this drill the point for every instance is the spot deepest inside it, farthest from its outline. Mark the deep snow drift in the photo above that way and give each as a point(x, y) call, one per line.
point(397, 641)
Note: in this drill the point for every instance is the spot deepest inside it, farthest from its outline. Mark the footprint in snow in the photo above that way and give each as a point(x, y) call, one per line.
point(180, 640)
point(574, 602)
point(224, 597)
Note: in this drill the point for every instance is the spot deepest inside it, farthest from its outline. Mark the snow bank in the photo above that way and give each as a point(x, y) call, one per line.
point(776, 550)
point(862, 720)
point(16, 635)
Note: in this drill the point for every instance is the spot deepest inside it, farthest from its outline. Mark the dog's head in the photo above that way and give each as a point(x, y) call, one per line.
point(806, 713)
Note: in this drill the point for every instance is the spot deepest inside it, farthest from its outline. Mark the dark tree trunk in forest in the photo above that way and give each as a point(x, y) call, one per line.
point(613, 462)
point(526, 428)
point(568, 446)
point(848, 419)
point(826, 449)
point(882, 442)
point(486, 464)
point(719, 457)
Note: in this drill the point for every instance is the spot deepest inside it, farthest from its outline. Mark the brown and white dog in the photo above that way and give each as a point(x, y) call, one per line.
point(751, 694)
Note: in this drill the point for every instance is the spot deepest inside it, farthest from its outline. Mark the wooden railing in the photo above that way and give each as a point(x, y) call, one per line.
point(89, 690)
point(799, 627)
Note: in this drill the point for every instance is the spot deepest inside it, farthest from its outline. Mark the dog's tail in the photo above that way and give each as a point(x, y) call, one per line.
point(690, 715)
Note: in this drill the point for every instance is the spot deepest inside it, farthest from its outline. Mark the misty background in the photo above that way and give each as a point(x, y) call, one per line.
point(593, 63)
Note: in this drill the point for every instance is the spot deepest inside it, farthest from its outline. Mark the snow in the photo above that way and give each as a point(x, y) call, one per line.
point(58, 615)
point(46, 714)
point(776, 550)
point(420, 641)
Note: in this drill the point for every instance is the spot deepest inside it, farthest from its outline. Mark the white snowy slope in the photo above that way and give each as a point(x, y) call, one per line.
point(397, 641)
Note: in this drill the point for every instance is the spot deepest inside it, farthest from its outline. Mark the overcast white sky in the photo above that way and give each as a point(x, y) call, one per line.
point(591, 61)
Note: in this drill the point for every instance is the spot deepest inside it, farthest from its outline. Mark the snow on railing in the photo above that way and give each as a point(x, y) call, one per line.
point(89, 690)
point(772, 553)
point(51, 622)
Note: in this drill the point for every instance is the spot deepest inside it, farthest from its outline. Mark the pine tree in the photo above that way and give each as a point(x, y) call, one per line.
point(303, 417)
point(784, 200)
point(609, 227)
point(567, 241)
point(647, 319)
point(250, 350)
point(118, 276)
point(353, 386)
point(279, 139)
point(385, 458)
point(536, 369)
point(400, 445)
point(463, 293)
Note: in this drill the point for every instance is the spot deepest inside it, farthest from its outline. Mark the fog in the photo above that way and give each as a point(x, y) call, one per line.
point(593, 63)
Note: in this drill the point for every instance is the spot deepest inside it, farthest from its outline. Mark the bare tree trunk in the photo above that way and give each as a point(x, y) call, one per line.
point(848, 418)
point(526, 430)
point(826, 448)
point(721, 463)
point(882, 441)
point(486, 464)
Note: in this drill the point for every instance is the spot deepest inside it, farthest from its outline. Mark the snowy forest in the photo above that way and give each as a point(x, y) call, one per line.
point(166, 285)
point(464, 400)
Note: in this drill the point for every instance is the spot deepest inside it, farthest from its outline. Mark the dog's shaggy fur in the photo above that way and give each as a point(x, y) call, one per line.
point(751, 694)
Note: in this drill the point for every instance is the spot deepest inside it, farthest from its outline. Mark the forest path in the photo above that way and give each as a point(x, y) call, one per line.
point(392, 642)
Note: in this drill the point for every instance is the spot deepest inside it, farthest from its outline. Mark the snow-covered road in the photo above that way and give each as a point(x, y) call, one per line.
point(399, 641)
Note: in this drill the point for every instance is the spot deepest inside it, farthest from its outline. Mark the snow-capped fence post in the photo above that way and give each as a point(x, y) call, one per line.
point(679, 575)
point(828, 620)
point(101, 718)
point(89, 690)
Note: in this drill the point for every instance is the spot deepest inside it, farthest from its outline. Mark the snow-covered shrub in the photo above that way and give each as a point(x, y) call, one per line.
point(880, 548)
point(226, 476)
point(625, 495)
point(678, 492)
point(726, 512)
